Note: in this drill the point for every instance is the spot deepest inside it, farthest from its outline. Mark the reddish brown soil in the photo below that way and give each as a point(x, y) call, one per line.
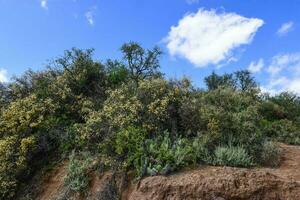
point(290, 165)
point(226, 183)
point(205, 183)
point(54, 185)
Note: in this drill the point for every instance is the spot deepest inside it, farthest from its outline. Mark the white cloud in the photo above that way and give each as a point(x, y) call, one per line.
point(192, 1)
point(285, 28)
point(282, 84)
point(3, 75)
point(255, 67)
point(208, 37)
point(284, 62)
point(90, 15)
point(284, 74)
point(44, 4)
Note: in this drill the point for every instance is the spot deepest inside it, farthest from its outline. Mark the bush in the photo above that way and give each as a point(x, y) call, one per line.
point(271, 154)
point(140, 120)
point(77, 178)
point(164, 156)
point(203, 147)
point(232, 156)
point(283, 131)
point(8, 168)
point(15, 157)
point(125, 147)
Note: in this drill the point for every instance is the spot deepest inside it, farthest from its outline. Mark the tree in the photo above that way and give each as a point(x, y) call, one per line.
point(214, 81)
point(4, 96)
point(117, 72)
point(141, 63)
point(81, 73)
point(244, 81)
point(239, 80)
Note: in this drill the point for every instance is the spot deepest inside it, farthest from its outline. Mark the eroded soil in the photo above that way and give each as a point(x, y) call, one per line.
point(204, 183)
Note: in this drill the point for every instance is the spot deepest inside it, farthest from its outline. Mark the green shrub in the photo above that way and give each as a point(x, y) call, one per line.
point(77, 178)
point(125, 147)
point(282, 106)
point(8, 168)
point(162, 155)
point(283, 131)
point(15, 157)
point(140, 120)
point(202, 146)
point(232, 156)
point(270, 154)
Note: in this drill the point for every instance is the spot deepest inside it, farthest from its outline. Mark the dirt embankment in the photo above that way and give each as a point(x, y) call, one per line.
point(228, 183)
point(205, 183)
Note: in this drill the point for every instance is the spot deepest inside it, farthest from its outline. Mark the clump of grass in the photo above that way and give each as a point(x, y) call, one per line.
point(270, 154)
point(232, 156)
point(77, 179)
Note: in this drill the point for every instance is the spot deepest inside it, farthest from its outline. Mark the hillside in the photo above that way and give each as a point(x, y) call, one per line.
point(203, 183)
point(126, 120)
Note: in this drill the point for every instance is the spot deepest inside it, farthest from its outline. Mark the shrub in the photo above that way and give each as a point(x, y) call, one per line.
point(125, 147)
point(282, 130)
point(288, 104)
point(140, 120)
point(8, 168)
point(203, 146)
point(130, 142)
point(15, 155)
point(232, 156)
point(232, 117)
point(270, 154)
point(163, 156)
point(77, 178)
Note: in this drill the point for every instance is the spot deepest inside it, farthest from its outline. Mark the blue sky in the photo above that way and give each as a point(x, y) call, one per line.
point(197, 37)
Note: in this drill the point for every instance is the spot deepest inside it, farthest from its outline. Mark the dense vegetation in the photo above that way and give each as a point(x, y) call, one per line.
point(127, 116)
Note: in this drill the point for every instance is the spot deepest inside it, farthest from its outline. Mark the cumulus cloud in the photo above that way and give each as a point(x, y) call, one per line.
point(3, 75)
point(192, 1)
point(284, 74)
point(256, 67)
point(208, 37)
point(284, 62)
point(44, 4)
point(282, 84)
point(285, 28)
point(90, 15)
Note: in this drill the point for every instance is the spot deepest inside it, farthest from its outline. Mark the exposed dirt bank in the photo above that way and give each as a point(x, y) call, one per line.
point(227, 183)
point(204, 183)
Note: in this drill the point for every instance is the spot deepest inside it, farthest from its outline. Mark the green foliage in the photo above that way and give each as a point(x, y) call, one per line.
point(4, 96)
point(283, 130)
point(240, 80)
point(126, 146)
point(15, 155)
point(282, 106)
point(232, 117)
point(271, 154)
point(245, 81)
point(281, 117)
point(129, 142)
point(77, 178)
point(131, 118)
point(8, 168)
point(232, 156)
point(203, 147)
point(24, 115)
point(141, 63)
point(162, 155)
point(152, 106)
point(215, 81)
point(117, 73)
